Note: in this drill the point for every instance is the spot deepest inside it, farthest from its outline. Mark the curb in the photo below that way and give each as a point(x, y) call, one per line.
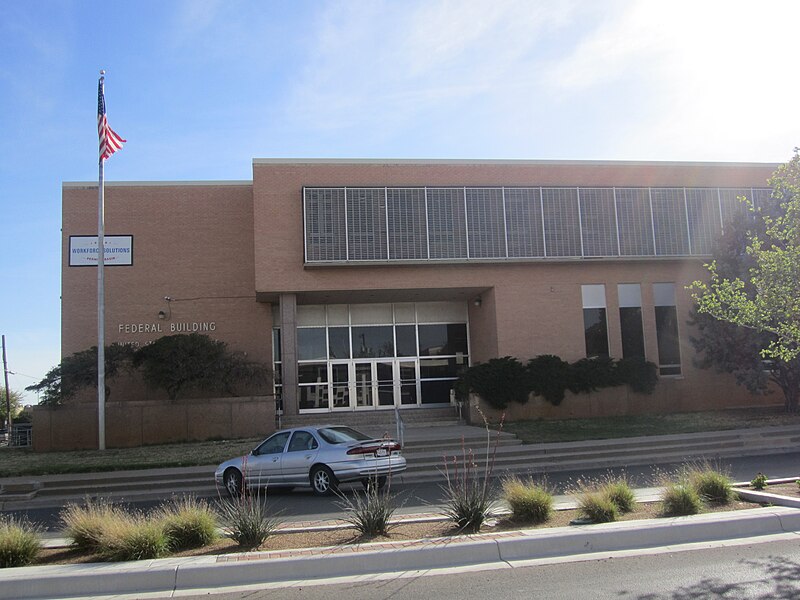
point(186, 575)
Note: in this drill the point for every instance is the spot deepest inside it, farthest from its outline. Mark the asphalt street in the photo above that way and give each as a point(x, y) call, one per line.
point(761, 571)
point(424, 497)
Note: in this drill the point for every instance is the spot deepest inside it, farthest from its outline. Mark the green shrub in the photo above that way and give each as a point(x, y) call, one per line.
point(134, 538)
point(188, 523)
point(597, 506)
point(590, 374)
point(549, 377)
point(680, 499)
point(759, 482)
point(248, 519)
point(498, 381)
point(19, 542)
point(713, 486)
point(85, 525)
point(640, 375)
point(529, 502)
point(369, 513)
point(620, 493)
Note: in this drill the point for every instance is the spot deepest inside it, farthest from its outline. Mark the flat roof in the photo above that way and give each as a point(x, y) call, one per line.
point(491, 161)
point(90, 184)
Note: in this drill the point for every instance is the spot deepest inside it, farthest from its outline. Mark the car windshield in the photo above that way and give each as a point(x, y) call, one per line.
point(341, 435)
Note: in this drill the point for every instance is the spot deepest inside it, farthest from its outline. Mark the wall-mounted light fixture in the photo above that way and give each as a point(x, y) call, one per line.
point(477, 301)
point(166, 314)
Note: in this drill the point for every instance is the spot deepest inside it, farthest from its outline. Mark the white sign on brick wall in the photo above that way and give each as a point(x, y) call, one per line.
point(83, 250)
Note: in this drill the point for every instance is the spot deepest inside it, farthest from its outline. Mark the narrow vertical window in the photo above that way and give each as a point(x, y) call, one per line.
point(669, 352)
point(630, 320)
point(594, 320)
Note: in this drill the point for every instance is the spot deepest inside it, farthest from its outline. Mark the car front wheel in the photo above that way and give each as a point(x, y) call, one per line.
point(233, 482)
point(323, 481)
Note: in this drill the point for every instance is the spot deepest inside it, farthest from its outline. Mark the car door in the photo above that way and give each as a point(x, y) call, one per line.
point(298, 458)
point(264, 464)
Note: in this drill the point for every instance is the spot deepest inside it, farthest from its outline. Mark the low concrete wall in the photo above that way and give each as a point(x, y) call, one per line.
point(142, 423)
point(670, 396)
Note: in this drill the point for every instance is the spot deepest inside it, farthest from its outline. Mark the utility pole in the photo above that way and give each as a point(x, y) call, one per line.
point(8, 392)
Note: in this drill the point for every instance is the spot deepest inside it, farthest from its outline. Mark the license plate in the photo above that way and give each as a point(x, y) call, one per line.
point(382, 452)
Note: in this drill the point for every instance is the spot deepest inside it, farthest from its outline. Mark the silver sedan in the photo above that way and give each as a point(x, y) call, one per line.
point(322, 457)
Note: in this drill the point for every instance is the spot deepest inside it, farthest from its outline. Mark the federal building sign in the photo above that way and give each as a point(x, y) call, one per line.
point(84, 251)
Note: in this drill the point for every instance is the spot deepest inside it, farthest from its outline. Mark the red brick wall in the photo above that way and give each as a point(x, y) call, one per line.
point(130, 424)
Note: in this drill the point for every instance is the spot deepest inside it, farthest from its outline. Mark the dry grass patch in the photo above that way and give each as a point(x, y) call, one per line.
point(399, 533)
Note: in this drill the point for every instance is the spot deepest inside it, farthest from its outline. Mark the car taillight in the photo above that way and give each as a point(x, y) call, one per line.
point(393, 447)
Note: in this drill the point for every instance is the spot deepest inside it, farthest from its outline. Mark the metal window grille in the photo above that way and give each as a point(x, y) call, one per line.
point(598, 223)
point(524, 221)
point(635, 225)
point(704, 219)
point(731, 205)
point(485, 223)
point(325, 225)
point(669, 222)
point(447, 233)
point(561, 221)
point(408, 236)
point(366, 224)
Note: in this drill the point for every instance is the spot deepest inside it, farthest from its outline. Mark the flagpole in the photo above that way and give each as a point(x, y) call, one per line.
point(101, 308)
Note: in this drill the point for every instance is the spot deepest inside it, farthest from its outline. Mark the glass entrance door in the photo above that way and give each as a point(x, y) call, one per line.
point(407, 370)
point(384, 378)
point(340, 383)
point(376, 383)
point(363, 379)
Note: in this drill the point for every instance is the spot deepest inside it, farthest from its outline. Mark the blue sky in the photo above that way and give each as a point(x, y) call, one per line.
point(200, 87)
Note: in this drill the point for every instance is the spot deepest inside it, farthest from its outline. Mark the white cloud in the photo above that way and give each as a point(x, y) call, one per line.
point(387, 62)
point(627, 79)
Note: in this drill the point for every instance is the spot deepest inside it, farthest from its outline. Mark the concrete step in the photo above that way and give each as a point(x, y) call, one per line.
point(425, 452)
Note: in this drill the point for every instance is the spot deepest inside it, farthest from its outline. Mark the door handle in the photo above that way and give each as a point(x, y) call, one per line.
point(308, 456)
point(275, 459)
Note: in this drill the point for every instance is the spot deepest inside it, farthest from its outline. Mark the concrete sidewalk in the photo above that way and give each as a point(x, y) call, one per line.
point(503, 549)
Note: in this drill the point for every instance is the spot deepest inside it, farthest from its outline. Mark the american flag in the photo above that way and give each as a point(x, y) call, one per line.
point(110, 141)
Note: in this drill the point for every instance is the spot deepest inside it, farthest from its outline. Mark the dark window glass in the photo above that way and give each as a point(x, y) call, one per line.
point(313, 396)
point(342, 435)
point(313, 373)
point(442, 340)
point(436, 392)
point(440, 367)
point(669, 353)
point(276, 345)
point(406, 340)
point(630, 320)
point(311, 343)
point(373, 342)
point(302, 440)
point(338, 342)
point(273, 445)
point(596, 332)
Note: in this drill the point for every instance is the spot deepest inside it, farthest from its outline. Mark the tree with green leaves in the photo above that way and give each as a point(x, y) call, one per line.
point(16, 405)
point(177, 363)
point(748, 314)
point(79, 370)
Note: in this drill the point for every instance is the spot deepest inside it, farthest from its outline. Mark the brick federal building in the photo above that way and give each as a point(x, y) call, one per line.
point(369, 284)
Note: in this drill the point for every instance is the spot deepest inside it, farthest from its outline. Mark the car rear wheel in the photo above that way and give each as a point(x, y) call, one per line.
point(378, 482)
point(233, 482)
point(323, 481)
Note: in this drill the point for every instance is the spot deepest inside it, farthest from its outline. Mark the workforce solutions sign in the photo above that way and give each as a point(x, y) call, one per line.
point(83, 250)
